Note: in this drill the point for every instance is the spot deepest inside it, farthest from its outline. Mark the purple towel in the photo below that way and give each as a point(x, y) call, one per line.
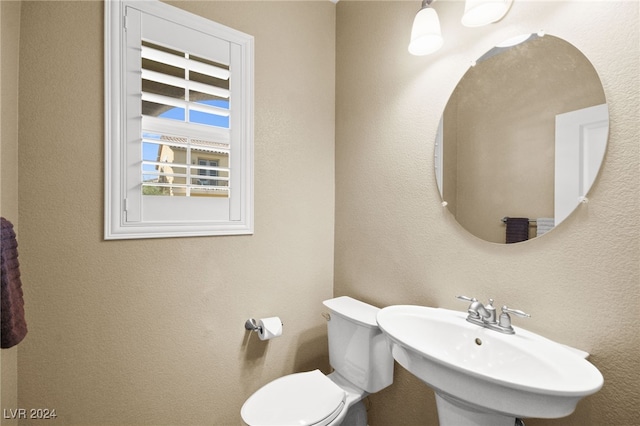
point(517, 229)
point(14, 327)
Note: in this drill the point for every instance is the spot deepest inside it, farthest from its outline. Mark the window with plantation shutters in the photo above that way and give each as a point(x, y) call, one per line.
point(179, 143)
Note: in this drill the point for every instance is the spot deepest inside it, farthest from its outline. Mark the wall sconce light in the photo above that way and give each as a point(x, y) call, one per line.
point(425, 34)
point(482, 12)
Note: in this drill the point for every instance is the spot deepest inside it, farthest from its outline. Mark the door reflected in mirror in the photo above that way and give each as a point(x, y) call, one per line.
point(523, 136)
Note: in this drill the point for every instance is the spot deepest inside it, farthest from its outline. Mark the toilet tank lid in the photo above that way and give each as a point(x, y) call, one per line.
point(353, 309)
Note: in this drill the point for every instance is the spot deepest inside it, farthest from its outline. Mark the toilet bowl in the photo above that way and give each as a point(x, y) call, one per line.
point(362, 365)
point(308, 398)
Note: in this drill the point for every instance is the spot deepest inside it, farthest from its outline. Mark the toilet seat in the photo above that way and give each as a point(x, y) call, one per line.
point(301, 399)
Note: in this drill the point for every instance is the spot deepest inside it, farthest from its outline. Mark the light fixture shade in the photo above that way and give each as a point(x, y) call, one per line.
point(426, 36)
point(482, 12)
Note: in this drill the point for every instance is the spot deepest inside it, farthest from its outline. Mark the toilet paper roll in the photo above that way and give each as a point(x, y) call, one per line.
point(269, 328)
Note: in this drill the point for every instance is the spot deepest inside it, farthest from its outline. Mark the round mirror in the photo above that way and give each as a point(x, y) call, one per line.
point(521, 139)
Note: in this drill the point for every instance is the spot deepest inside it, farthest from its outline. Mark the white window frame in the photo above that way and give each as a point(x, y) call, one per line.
point(117, 195)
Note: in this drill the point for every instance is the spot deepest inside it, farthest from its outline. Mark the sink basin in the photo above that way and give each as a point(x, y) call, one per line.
point(483, 377)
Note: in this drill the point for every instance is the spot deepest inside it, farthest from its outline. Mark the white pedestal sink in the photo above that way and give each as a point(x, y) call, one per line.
point(483, 377)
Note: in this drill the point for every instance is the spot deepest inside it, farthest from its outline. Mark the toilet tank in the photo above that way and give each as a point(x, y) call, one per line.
point(357, 349)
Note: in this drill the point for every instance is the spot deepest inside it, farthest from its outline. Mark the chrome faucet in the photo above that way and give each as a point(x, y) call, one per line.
point(478, 313)
point(485, 316)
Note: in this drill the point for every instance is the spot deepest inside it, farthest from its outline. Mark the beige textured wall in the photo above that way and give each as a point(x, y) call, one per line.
point(151, 331)
point(396, 244)
point(9, 42)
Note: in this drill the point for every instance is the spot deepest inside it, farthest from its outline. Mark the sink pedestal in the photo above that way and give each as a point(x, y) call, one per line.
point(456, 413)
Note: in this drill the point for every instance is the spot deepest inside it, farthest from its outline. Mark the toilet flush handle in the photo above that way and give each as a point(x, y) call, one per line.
point(326, 316)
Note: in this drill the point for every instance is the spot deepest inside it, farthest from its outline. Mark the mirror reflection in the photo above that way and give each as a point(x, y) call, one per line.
point(521, 139)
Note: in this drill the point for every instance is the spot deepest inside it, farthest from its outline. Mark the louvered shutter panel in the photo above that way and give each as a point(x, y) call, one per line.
point(179, 124)
point(184, 99)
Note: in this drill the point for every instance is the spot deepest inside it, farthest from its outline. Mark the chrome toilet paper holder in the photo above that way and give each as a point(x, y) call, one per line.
point(252, 325)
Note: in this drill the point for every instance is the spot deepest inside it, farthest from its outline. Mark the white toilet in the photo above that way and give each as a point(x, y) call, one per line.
point(362, 365)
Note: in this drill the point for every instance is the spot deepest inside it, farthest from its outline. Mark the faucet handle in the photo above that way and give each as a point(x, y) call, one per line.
point(468, 299)
point(504, 323)
point(515, 312)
